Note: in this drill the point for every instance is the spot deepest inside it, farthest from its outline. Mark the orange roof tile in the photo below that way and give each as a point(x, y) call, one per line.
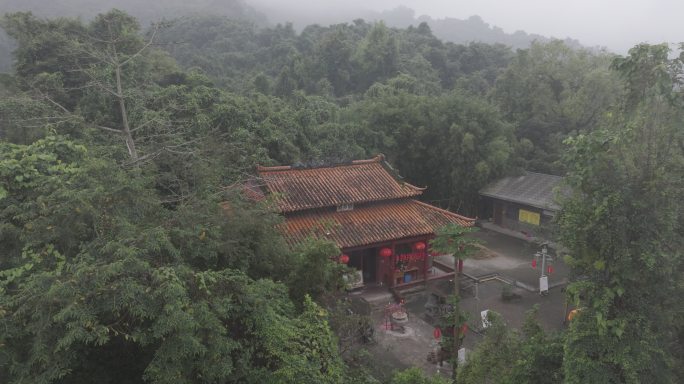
point(251, 190)
point(370, 224)
point(360, 181)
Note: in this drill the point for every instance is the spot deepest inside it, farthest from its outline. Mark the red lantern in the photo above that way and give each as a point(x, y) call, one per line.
point(437, 333)
point(344, 259)
point(385, 252)
point(534, 263)
point(419, 246)
point(550, 269)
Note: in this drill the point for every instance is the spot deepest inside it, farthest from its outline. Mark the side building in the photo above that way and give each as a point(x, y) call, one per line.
point(525, 203)
point(364, 208)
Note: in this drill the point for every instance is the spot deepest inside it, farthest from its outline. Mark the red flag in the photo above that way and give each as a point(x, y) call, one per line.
point(534, 263)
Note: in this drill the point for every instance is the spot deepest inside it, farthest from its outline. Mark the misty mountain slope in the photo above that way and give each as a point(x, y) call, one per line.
point(460, 31)
point(453, 30)
point(145, 11)
point(473, 29)
point(6, 48)
point(340, 60)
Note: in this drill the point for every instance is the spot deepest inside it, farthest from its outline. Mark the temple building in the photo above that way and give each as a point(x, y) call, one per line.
point(364, 208)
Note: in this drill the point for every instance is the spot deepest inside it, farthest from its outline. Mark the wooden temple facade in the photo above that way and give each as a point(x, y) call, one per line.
point(372, 216)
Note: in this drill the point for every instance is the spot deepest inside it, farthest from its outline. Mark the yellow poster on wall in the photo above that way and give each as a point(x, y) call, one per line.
point(528, 217)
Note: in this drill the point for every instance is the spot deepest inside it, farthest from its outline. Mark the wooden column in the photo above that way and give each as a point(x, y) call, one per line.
point(393, 263)
point(425, 261)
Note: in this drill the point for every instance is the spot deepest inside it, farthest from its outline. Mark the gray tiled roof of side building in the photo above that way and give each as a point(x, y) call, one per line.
point(534, 189)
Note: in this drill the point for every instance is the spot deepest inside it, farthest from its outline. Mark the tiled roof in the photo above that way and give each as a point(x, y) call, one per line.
point(251, 190)
point(534, 189)
point(360, 181)
point(369, 224)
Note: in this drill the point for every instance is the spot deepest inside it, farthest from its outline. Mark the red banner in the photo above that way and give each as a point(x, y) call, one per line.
point(415, 256)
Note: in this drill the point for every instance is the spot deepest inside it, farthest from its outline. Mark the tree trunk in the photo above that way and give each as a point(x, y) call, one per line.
point(130, 143)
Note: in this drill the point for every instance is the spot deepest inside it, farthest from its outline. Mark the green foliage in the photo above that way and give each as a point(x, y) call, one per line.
point(123, 269)
point(452, 143)
point(506, 356)
point(551, 91)
point(100, 281)
point(623, 227)
point(416, 376)
point(315, 269)
point(452, 239)
point(304, 351)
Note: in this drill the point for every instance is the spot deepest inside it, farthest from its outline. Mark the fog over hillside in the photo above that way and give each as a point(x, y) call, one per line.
point(462, 30)
point(145, 11)
point(615, 25)
point(267, 12)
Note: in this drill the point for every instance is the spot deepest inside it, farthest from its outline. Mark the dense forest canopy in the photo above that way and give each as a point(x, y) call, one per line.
point(473, 29)
point(130, 255)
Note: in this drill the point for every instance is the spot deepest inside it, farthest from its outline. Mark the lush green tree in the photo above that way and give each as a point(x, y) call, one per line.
point(623, 228)
point(509, 356)
point(452, 143)
point(333, 54)
point(377, 55)
point(304, 350)
point(142, 267)
point(99, 280)
point(551, 91)
point(452, 240)
point(95, 72)
point(416, 376)
point(24, 119)
point(316, 270)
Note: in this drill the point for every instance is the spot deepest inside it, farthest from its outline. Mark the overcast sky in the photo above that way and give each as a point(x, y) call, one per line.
point(616, 24)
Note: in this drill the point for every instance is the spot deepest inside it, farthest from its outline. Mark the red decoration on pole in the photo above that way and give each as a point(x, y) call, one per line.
point(437, 333)
point(463, 330)
point(419, 246)
point(534, 263)
point(550, 269)
point(385, 252)
point(344, 259)
point(460, 265)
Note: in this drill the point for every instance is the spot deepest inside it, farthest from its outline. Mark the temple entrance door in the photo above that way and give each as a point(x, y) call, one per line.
point(369, 266)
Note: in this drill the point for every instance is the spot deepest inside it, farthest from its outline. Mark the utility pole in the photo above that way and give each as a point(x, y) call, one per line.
point(543, 279)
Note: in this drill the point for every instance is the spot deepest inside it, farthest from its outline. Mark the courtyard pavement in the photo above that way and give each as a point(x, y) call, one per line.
point(503, 256)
